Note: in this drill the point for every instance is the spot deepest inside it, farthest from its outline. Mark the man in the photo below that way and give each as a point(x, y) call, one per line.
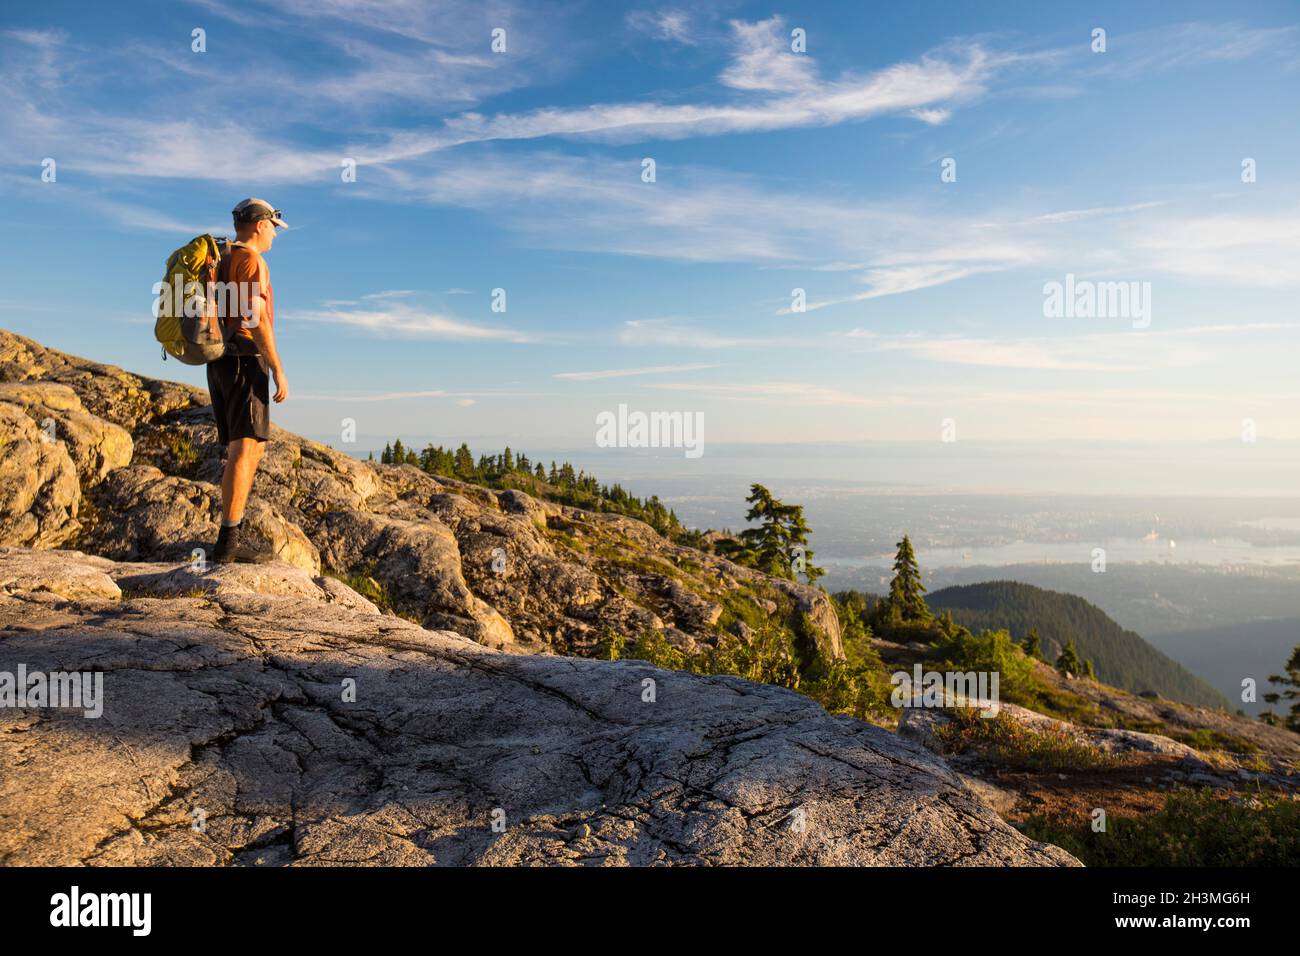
point(238, 381)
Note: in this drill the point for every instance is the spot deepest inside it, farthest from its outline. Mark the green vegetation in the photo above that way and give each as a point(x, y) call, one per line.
point(1070, 664)
point(562, 483)
point(1290, 690)
point(1032, 645)
point(779, 545)
point(170, 449)
point(992, 652)
point(906, 600)
point(369, 587)
point(1205, 739)
point(1121, 658)
point(775, 654)
point(1194, 828)
point(1009, 744)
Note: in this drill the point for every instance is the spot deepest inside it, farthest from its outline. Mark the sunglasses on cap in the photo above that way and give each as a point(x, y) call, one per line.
point(261, 214)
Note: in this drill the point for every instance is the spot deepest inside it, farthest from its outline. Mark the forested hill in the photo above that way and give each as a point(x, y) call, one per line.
point(1122, 658)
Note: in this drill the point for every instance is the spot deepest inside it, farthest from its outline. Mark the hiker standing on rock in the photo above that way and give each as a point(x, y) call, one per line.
point(239, 381)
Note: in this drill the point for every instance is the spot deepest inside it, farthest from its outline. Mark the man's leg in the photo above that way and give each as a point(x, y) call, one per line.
point(242, 458)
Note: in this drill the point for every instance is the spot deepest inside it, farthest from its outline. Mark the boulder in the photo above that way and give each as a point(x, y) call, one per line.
point(251, 720)
point(67, 575)
point(40, 495)
point(96, 446)
point(143, 514)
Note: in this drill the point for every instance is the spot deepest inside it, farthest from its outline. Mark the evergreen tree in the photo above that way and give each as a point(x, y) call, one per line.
point(1032, 644)
point(1068, 662)
point(386, 458)
point(464, 462)
point(540, 472)
point(1290, 684)
point(1088, 670)
point(399, 452)
point(906, 600)
point(779, 545)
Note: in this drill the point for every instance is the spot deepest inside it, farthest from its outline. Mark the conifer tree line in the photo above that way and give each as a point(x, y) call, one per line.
point(558, 482)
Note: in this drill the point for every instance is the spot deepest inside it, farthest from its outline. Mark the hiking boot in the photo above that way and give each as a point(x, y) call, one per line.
point(235, 545)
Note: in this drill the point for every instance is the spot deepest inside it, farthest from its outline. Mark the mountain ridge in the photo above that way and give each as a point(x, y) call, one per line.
point(1122, 657)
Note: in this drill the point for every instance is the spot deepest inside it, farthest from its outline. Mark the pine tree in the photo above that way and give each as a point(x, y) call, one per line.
point(779, 545)
point(906, 600)
point(1068, 662)
point(1032, 644)
point(386, 457)
point(1290, 682)
point(540, 472)
point(464, 462)
point(1088, 670)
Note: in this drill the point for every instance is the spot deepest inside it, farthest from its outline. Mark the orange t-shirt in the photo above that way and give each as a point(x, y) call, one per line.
point(245, 267)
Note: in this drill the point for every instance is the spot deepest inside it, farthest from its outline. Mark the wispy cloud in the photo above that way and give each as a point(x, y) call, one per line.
point(404, 320)
point(1127, 351)
point(629, 372)
point(664, 24)
point(678, 333)
point(792, 95)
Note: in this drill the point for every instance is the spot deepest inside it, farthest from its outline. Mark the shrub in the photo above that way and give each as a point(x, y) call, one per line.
point(859, 690)
point(370, 588)
point(1012, 745)
point(654, 648)
point(609, 645)
point(991, 651)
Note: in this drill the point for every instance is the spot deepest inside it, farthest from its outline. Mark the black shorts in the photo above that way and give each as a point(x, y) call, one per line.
point(240, 386)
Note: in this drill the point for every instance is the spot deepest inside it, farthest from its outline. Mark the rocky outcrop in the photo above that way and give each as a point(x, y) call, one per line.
point(95, 445)
point(40, 496)
point(142, 513)
point(498, 565)
point(266, 716)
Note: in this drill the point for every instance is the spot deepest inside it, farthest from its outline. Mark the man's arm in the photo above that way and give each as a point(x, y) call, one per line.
point(264, 337)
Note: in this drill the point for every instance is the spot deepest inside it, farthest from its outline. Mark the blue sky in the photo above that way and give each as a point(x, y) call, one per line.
point(775, 170)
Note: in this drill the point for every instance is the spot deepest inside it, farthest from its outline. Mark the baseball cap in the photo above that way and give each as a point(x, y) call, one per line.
point(251, 210)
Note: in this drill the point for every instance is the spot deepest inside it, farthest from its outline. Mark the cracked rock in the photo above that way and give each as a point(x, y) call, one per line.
point(260, 717)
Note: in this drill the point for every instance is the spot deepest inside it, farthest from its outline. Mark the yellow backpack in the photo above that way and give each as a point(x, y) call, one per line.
point(187, 323)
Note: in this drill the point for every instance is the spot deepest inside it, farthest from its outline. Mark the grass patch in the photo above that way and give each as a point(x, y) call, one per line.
point(1194, 828)
point(1011, 745)
point(170, 450)
point(1205, 739)
point(369, 587)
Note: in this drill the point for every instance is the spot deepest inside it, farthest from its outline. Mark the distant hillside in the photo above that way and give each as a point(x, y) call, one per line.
point(1122, 658)
point(1224, 655)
